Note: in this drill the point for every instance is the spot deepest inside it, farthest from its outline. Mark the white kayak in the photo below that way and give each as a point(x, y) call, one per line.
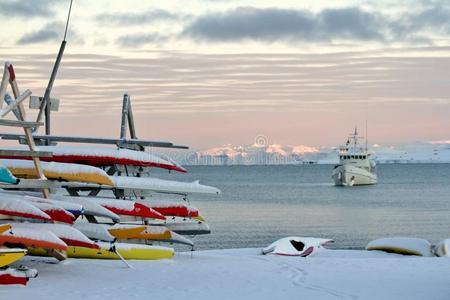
point(402, 245)
point(442, 248)
point(95, 231)
point(148, 185)
point(296, 246)
point(186, 227)
point(90, 207)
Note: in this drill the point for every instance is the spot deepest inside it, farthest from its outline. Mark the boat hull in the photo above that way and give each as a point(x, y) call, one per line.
point(347, 175)
point(127, 251)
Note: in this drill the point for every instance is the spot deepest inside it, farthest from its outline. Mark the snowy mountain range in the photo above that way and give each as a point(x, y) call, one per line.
point(275, 154)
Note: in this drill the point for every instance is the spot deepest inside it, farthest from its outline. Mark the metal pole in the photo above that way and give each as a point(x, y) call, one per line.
point(46, 102)
point(131, 120)
point(123, 123)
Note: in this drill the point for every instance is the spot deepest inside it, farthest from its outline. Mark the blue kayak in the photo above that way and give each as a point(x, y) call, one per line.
point(6, 176)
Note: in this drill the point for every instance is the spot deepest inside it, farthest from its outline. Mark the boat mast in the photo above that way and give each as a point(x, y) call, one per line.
point(46, 101)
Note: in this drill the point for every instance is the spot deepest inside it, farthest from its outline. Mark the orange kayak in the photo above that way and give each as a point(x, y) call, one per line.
point(27, 237)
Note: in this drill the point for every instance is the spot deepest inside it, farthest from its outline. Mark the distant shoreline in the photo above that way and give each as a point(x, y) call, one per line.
point(327, 163)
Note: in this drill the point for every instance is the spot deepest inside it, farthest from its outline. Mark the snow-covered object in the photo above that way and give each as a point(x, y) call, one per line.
point(31, 237)
point(89, 206)
point(14, 207)
point(58, 171)
point(56, 212)
point(401, 245)
point(295, 246)
point(175, 209)
point(73, 208)
point(96, 156)
point(70, 235)
point(162, 186)
point(128, 208)
point(152, 233)
point(126, 250)
point(187, 227)
point(442, 248)
point(95, 231)
point(16, 276)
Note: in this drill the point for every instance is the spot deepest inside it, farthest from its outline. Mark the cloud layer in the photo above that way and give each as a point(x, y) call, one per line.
point(272, 24)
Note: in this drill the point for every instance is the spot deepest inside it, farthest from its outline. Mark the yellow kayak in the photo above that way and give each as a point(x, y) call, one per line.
point(58, 171)
point(126, 232)
point(142, 232)
point(8, 256)
point(4, 227)
point(127, 251)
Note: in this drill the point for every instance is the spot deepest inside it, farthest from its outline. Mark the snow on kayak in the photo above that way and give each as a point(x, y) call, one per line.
point(128, 208)
point(58, 171)
point(16, 276)
point(442, 248)
point(175, 209)
point(30, 237)
point(295, 246)
point(15, 207)
point(127, 251)
point(70, 235)
point(73, 208)
point(89, 206)
point(95, 231)
point(57, 213)
point(162, 186)
point(186, 227)
point(100, 157)
point(401, 245)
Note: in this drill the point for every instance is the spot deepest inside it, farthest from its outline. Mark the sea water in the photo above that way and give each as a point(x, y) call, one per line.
point(260, 204)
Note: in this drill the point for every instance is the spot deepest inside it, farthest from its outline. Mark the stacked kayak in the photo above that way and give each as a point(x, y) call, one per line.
point(101, 157)
point(58, 171)
point(122, 225)
point(6, 176)
point(122, 250)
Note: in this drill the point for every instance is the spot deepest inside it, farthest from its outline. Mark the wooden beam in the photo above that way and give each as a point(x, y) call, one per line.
point(27, 131)
point(27, 153)
point(17, 123)
point(18, 101)
point(89, 140)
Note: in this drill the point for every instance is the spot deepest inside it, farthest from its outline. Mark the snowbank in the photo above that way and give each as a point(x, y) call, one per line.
point(243, 274)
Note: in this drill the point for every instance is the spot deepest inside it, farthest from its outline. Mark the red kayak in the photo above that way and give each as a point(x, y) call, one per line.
point(55, 212)
point(173, 209)
point(128, 208)
point(101, 157)
point(16, 276)
point(15, 207)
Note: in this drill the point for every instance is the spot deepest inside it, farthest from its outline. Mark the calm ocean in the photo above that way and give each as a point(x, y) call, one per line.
point(261, 204)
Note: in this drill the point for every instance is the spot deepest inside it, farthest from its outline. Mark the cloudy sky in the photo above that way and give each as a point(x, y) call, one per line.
point(212, 72)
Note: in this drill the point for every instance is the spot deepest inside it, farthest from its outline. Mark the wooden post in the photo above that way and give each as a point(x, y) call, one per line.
point(28, 134)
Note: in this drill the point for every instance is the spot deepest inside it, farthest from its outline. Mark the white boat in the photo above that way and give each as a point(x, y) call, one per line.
point(355, 165)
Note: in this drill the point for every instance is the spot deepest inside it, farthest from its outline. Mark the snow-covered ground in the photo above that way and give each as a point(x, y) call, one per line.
point(242, 274)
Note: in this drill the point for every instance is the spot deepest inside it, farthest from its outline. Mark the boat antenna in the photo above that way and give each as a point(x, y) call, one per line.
point(45, 104)
point(367, 138)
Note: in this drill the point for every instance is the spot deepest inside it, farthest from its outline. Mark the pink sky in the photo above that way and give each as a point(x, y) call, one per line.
point(208, 76)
